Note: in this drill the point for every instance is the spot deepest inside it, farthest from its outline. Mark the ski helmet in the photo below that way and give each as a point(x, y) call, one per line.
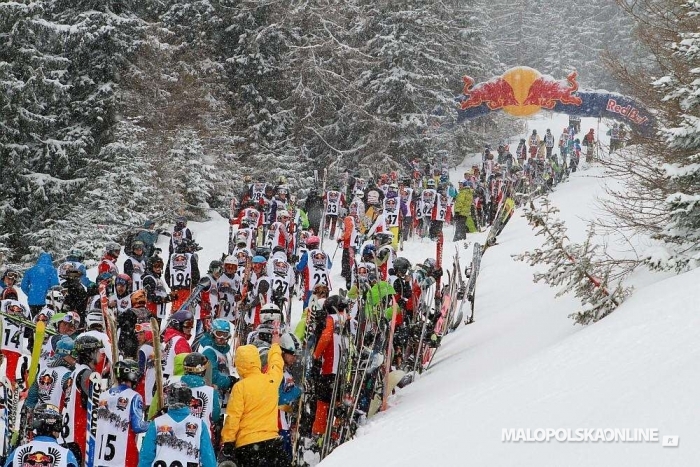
point(86, 347)
point(181, 320)
point(127, 370)
point(369, 251)
point(180, 222)
point(263, 251)
point(94, 319)
point(335, 304)
point(230, 259)
point(65, 347)
point(313, 242)
point(430, 183)
point(177, 395)
point(215, 267)
point(282, 252)
point(289, 343)
point(55, 298)
point(137, 245)
point(401, 266)
point(154, 262)
point(75, 255)
point(138, 298)
point(113, 249)
point(430, 264)
point(195, 364)
point(47, 419)
point(221, 329)
point(384, 238)
point(123, 279)
point(270, 312)
point(258, 259)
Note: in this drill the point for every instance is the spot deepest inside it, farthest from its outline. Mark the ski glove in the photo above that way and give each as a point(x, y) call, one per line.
point(227, 453)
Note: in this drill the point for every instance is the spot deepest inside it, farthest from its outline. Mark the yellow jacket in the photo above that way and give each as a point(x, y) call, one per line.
point(252, 409)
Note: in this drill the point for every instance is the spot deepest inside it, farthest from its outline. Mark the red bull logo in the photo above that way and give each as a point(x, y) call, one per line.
point(521, 91)
point(545, 92)
point(495, 93)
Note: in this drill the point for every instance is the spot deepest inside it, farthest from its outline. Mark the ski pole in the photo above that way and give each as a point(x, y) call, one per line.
point(336, 251)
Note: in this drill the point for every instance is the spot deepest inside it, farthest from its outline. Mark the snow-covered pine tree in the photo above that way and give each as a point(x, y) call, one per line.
point(661, 194)
point(574, 267)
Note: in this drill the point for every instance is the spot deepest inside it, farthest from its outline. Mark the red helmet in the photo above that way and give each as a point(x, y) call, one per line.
point(313, 240)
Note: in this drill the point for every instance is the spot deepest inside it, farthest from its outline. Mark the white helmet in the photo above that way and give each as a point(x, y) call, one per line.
point(282, 213)
point(230, 259)
point(290, 343)
point(55, 298)
point(270, 312)
point(94, 318)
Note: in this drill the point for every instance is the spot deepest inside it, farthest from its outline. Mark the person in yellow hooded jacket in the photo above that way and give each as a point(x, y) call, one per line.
point(250, 436)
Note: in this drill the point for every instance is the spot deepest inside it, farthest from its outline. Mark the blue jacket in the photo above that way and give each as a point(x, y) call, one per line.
point(39, 279)
point(148, 448)
point(221, 380)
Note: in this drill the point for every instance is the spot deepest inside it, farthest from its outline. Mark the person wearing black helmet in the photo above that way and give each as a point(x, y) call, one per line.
point(177, 437)
point(209, 298)
point(120, 418)
point(179, 233)
point(135, 264)
point(157, 295)
point(205, 398)
point(176, 339)
point(75, 417)
point(44, 449)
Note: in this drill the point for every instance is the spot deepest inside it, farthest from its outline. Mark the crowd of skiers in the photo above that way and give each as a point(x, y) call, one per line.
point(227, 351)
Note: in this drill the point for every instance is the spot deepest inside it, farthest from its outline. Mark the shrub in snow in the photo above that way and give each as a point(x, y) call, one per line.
point(577, 268)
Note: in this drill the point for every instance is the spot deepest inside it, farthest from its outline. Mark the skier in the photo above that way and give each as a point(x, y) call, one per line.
point(108, 263)
point(148, 236)
point(205, 399)
point(313, 206)
point(386, 253)
point(217, 350)
point(182, 272)
point(177, 437)
point(314, 267)
point(75, 259)
point(12, 338)
point(282, 278)
point(335, 202)
point(120, 418)
point(75, 419)
point(179, 233)
point(289, 393)
point(176, 339)
point(121, 299)
point(154, 286)
point(228, 286)
point(135, 265)
point(589, 142)
point(250, 436)
point(534, 143)
point(549, 142)
point(44, 449)
point(463, 211)
point(408, 207)
point(37, 280)
point(394, 213)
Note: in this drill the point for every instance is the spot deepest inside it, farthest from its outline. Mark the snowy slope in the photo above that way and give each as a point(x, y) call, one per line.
point(523, 364)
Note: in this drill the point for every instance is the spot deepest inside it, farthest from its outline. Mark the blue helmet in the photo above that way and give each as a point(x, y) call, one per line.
point(369, 250)
point(258, 259)
point(220, 325)
point(64, 347)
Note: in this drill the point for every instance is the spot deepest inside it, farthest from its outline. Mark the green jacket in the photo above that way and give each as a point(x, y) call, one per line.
point(464, 201)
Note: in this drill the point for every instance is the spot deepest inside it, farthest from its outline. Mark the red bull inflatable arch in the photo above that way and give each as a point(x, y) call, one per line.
point(524, 91)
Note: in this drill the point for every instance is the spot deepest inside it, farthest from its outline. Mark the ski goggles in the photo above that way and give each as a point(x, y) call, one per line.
point(71, 318)
point(120, 281)
point(391, 202)
point(221, 334)
point(12, 275)
point(142, 327)
point(188, 324)
point(15, 309)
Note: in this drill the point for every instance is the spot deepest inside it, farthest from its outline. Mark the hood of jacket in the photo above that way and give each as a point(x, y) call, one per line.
point(45, 259)
point(247, 361)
